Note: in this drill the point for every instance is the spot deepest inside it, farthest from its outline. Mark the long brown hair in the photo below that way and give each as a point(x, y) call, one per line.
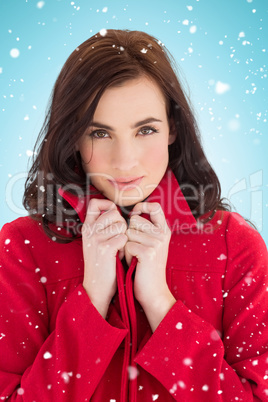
point(104, 60)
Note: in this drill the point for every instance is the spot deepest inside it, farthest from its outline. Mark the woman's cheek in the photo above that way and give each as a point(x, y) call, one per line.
point(157, 156)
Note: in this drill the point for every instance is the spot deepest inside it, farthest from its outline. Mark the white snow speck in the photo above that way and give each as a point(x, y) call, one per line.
point(221, 87)
point(132, 372)
point(47, 355)
point(193, 29)
point(181, 384)
point(42, 188)
point(225, 295)
point(173, 389)
point(155, 397)
point(103, 32)
point(7, 241)
point(14, 53)
point(20, 391)
point(29, 153)
point(190, 49)
point(255, 363)
point(40, 4)
point(105, 9)
point(65, 376)
point(2, 336)
point(222, 257)
point(187, 361)
point(144, 50)
point(185, 22)
point(205, 388)
point(26, 117)
point(43, 279)
point(179, 325)
point(241, 34)
point(1, 70)
point(26, 241)
point(190, 8)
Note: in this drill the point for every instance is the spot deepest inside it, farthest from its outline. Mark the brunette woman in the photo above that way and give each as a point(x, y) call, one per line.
point(130, 280)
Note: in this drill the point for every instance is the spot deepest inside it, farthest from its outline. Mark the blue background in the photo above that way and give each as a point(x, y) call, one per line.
point(220, 49)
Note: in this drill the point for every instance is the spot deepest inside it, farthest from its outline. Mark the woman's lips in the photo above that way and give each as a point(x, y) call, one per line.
point(126, 183)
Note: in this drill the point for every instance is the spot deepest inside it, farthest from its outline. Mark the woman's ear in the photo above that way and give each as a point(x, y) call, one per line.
point(172, 132)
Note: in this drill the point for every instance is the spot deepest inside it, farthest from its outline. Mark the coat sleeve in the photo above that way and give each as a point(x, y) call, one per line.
point(188, 356)
point(34, 363)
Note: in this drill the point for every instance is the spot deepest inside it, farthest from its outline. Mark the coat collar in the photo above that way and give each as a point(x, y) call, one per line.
point(168, 194)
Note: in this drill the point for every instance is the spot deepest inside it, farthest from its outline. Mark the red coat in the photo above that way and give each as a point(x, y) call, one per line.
point(211, 346)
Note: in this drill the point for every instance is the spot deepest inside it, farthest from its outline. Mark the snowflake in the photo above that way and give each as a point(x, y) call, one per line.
point(179, 325)
point(47, 355)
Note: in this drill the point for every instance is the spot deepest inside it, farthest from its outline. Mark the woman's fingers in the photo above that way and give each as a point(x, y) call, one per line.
point(96, 207)
point(155, 211)
point(101, 216)
point(146, 239)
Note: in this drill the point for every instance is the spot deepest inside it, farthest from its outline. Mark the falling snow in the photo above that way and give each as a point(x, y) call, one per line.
point(187, 361)
point(14, 53)
point(222, 257)
point(193, 29)
point(221, 87)
point(103, 32)
point(132, 372)
point(40, 4)
point(179, 325)
point(47, 355)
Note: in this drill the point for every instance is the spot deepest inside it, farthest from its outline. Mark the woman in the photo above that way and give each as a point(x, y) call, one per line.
point(130, 280)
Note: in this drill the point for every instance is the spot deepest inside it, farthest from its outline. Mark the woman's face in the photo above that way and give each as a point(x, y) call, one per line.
point(125, 151)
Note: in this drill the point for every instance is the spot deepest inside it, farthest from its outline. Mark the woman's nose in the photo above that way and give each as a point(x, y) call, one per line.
point(124, 157)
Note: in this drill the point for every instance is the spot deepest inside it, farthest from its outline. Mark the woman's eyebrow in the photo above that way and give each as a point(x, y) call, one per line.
point(138, 124)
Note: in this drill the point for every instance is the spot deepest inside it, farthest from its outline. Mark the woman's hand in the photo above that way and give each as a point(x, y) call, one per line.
point(103, 235)
point(149, 242)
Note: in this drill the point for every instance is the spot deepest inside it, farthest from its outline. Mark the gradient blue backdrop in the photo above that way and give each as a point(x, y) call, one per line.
point(221, 52)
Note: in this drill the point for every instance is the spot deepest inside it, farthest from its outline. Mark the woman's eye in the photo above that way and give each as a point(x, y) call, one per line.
point(98, 134)
point(148, 130)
